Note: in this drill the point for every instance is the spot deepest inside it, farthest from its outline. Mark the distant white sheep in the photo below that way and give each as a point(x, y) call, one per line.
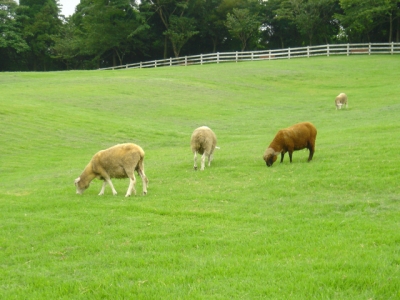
point(204, 142)
point(340, 100)
point(119, 161)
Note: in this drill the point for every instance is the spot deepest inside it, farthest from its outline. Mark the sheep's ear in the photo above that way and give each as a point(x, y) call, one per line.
point(77, 180)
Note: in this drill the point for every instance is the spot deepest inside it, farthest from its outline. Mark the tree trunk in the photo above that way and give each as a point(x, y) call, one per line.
point(214, 41)
point(165, 46)
point(175, 49)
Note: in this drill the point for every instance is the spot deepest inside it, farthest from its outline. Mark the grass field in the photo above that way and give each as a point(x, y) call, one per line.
point(328, 229)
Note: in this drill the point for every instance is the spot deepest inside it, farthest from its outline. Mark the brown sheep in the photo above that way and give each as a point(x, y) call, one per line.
point(293, 138)
point(340, 100)
point(119, 161)
point(204, 142)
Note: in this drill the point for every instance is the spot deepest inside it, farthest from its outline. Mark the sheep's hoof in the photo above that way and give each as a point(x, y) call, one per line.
point(144, 193)
point(195, 168)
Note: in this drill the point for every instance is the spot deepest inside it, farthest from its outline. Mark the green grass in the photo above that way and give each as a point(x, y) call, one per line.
point(328, 229)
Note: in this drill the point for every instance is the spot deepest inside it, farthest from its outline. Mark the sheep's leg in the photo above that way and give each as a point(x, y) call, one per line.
point(310, 156)
point(282, 156)
point(203, 161)
point(103, 188)
point(132, 181)
point(145, 181)
point(209, 159)
point(112, 186)
point(107, 180)
point(290, 155)
point(195, 160)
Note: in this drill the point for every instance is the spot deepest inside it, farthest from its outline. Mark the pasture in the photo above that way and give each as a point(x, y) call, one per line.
point(328, 229)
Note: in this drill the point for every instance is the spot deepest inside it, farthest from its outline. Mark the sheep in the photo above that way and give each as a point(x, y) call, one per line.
point(293, 138)
point(119, 161)
point(204, 142)
point(340, 100)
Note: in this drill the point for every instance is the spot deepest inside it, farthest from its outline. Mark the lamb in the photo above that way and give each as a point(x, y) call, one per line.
point(340, 100)
point(204, 142)
point(119, 161)
point(293, 138)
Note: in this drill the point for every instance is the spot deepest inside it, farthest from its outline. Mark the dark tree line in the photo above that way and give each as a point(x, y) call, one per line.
point(34, 36)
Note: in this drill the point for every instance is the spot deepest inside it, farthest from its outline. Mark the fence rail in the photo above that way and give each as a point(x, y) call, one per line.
point(288, 53)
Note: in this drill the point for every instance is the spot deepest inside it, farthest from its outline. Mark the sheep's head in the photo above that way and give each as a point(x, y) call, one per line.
point(270, 157)
point(80, 186)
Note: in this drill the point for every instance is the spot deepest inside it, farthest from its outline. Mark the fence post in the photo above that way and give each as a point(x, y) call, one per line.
point(155, 64)
point(308, 51)
point(392, 48)
point(185, 61)
point(217, 57)
point(201, 59)
point(289, 53)
point(327, 50)
point(369, 49)
point(140, 66)
point(269, 56)
point(348, 49)
point(170, 61)
point(252, 55)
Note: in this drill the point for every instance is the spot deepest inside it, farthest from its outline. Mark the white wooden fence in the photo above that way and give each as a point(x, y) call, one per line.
point(288, 53)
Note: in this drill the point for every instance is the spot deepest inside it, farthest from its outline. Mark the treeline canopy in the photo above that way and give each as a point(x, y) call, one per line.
point(34, 36)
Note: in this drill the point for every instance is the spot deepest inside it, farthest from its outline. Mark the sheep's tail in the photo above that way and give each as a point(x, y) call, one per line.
point(216, 147)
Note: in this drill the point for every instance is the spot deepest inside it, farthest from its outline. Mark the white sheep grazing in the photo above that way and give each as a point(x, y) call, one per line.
point(204, 142)
point(119, 161)
point(340, 100)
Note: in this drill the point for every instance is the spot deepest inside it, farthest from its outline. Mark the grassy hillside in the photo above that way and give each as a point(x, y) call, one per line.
point(328, 229)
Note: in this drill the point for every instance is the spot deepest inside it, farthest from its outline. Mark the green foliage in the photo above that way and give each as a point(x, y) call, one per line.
point(11, 35)
point(313, 18)
point(210, 16)
point(40, 24)
point(34, 36)
point(107, 26)
point(66, 46)
point(180, 30)
point(361, 17)
point(328, 229)
point(12, 42)
point(242, 25)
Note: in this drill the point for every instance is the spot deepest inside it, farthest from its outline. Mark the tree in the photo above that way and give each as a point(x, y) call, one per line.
point(106, 28)
point(361, 17)
point(66, 47)
point(180, 30)
point(40, 24)
point(313, 18)
point(210, 16)
point(242, 25)
point(12, 42)
point(279, 29)
point(169, 11)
